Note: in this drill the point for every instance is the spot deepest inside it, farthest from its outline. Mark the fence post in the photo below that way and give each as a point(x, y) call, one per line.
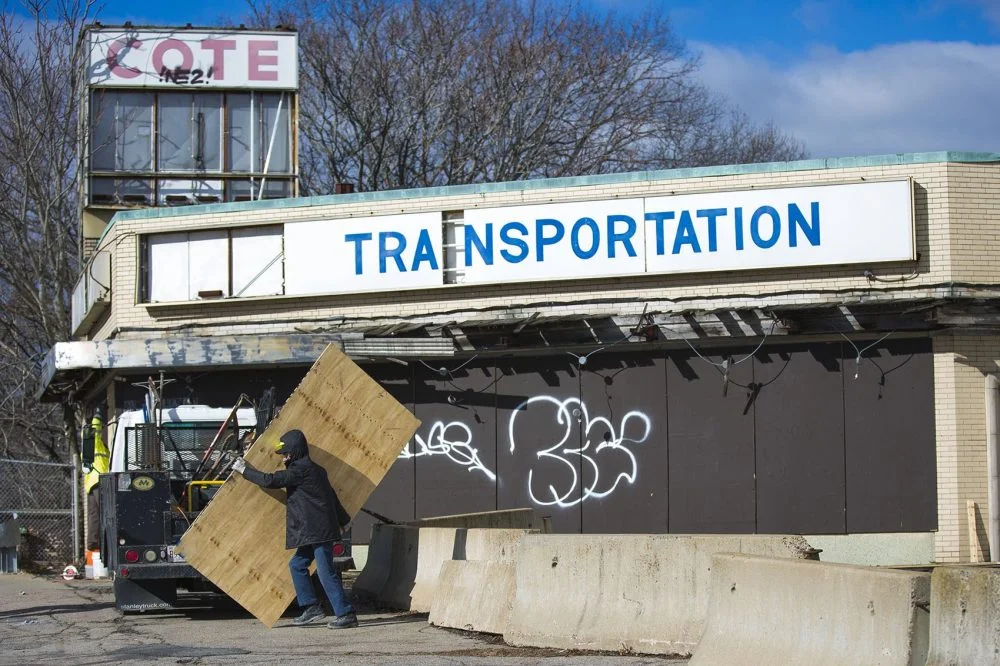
point(76, 509)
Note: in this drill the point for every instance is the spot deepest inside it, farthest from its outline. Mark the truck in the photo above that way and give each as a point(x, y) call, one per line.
point(166, 465)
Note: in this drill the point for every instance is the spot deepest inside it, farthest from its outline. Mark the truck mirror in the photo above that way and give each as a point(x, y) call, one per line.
point(87, 446)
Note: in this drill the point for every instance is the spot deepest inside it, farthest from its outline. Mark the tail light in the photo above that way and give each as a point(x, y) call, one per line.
point(338, 549)
point(124, 572)
point(131, 556)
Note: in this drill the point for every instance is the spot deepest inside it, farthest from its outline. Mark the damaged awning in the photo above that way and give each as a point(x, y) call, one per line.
point(67, 361)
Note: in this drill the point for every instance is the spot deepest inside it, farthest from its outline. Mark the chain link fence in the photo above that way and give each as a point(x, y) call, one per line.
point(36, 501)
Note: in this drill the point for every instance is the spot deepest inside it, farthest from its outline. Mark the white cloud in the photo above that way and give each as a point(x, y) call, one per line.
point(907, 97)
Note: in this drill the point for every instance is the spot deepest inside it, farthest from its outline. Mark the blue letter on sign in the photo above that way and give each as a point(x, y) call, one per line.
point(758, 240)
point(542, 240)
point(425, 252)
point(625, 237)
point(485, 249)
point(685, 234)
point(357, 239)
point(384, 252)
point(797, 220)
point(659, 218)
point(519, 243)
point(712, 214)
point(595, 236)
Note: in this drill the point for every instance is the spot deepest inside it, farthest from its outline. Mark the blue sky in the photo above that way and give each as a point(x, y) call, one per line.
point(848, 78)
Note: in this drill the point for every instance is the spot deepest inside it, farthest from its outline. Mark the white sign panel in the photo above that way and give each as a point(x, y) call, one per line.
point(363, 254)
point(779, 228)
point(182, 58)
point(552, 241)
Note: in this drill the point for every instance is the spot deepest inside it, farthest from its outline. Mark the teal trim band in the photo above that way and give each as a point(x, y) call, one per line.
point(897, 159)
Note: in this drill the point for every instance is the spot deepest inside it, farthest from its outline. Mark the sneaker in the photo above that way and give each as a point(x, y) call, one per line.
point(343, 622)
point(309, 615)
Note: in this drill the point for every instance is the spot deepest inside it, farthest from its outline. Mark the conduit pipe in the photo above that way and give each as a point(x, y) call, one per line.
point(993, 462)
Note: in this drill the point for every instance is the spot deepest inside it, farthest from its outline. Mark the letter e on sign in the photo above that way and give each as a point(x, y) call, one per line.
point(257, 59)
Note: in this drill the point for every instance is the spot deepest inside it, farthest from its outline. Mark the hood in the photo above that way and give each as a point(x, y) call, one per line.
point(295, 445)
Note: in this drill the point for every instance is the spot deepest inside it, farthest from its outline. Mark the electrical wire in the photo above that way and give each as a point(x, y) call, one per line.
point(857, 359)
point(445, 372)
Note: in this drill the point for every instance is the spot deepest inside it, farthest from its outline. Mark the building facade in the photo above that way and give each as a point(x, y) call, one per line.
point(799, 347)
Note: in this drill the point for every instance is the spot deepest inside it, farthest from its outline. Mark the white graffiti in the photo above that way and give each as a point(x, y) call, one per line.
point(454, 440)
point(568, 412)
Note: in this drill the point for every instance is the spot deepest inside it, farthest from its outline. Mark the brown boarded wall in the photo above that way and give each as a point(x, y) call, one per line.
point(355, 430)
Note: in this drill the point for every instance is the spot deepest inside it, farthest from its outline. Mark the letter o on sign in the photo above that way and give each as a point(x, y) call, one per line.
point(167, 45)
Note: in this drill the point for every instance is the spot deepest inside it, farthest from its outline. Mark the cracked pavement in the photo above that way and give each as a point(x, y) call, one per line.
point(46, 620)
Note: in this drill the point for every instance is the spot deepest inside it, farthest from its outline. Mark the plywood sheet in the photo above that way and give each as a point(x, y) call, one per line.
point(355, 431)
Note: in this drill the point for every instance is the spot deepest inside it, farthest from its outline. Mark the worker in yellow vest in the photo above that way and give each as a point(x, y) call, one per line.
point(100, 465)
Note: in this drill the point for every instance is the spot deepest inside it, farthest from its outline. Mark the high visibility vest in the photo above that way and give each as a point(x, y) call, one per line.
point(102, 457)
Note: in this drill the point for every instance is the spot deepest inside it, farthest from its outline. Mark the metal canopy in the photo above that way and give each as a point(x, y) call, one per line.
point(66, 360)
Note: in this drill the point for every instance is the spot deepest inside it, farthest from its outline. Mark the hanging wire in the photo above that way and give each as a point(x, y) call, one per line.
point(582, 360)
point(445, 372)
point(857, 359)
point(728, 363)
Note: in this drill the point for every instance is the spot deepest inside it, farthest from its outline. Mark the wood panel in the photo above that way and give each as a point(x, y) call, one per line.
point(355, 431)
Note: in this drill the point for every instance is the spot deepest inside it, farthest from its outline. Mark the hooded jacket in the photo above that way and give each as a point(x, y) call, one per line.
point(313, 512)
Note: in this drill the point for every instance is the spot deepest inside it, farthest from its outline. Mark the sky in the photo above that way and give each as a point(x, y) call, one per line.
point(846, 78)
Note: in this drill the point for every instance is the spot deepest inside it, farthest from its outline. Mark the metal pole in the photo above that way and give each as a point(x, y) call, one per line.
point(76, 509)
point(993, 463)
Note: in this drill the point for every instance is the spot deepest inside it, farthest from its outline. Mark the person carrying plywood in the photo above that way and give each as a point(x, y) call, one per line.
point(314, 519)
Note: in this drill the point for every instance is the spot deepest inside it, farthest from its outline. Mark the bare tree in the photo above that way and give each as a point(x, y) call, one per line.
point(434, 92)
point(39, 70)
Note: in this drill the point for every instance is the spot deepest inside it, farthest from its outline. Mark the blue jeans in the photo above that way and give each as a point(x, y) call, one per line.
point(329, 577)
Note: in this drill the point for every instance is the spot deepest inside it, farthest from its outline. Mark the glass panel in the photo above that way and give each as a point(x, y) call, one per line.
point(122, 130)
point(102, 137)
point(190, 132)
point(240, 190)
point(117, 191)
point(175, 132)
point(274, 133)
point(207, 132)
point(240, 132)
point(135, 129)
point(175, 192)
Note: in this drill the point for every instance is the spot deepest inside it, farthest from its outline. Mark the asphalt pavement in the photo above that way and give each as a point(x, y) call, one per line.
point(46, 620)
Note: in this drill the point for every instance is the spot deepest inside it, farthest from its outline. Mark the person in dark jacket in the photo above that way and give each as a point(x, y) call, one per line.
point(314, 518)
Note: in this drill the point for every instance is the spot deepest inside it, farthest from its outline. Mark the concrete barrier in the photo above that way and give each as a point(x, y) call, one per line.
point(641, 593)
point(771, 611)
point(965, 616)
point(508, 519)
point(404, 562)
point(475, 595)
point(378, 562)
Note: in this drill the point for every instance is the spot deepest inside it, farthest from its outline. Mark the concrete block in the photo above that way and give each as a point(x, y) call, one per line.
point(378, 562)
point(474, 595)
point(776, 611)
point(965, 616)
point(404, 562)
point(641, 593)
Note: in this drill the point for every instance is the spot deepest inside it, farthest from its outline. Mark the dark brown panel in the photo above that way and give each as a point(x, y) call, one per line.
point(800, 439)
point(624, 443)
point(890, 437)
point(711, 443)
point(455, 448)
point(394, 496)
point(538, 417)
